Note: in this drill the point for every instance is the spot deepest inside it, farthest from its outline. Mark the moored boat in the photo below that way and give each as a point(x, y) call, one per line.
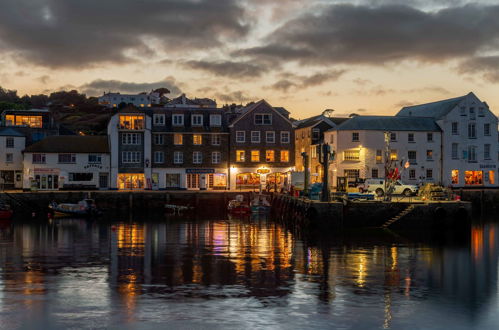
point(260, 204)
point(238, 206)
point(84, 208)
point(5, 211)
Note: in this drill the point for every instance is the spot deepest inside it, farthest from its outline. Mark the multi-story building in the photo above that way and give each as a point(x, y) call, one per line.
point(469, 139)
point(142, 100)
point(309, 133)
point(12, 143)
point(261, 146)
point(67, 162)
point(181, 146)
point(359, 146)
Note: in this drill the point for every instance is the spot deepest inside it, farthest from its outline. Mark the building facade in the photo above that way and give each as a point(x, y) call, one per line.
point(261, 147)
point(360, 148)
point(183, 145)
point(309, 134)
point(67, 162)
point(469, 139)
point(143, 100)
point(12, 143)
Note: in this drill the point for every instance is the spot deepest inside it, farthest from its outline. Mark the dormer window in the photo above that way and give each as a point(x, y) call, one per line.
point(178, 120)
point(197, 120)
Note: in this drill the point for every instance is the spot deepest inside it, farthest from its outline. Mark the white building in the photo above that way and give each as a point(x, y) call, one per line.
point(113, 100)
point(469, 139)
point(359, 144)
point(12, 143)
point(67, 162)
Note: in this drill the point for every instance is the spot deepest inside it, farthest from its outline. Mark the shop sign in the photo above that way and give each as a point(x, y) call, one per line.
point(46, 171)
point(487, 166)
point(263, 170)
point(93, 166)
point(199, 171)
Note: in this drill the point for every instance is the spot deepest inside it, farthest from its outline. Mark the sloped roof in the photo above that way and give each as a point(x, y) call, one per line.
point(71, 144)
point(282, 111)
point(435, 110)
point(244, 111)
point(390, 123)
point(7, 131)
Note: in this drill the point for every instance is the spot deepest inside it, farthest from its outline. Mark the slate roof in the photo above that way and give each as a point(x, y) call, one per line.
point(435, 110)
point(71, 144)
point(7, 131)
point(389, 123)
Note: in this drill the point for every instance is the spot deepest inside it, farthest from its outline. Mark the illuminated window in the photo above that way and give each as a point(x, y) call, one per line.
point(284, 156)
point(269, 156)
point(492, 177)
point(177, 139)
point(429, 154)
point(255, 155)
point(22, 120)
point(379, 156)
point(197, 139)
point(131, 122)
point(351, 154)
point(455, 176)
point(240, 156)
point(473, 178)
point(393, 154)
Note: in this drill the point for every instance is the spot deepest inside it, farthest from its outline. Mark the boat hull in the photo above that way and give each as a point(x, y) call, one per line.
point(6, 214)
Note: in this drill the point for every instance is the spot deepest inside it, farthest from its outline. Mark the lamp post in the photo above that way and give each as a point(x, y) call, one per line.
point(325, 155)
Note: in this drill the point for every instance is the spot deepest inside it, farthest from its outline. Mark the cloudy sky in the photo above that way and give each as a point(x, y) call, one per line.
point(362, 56)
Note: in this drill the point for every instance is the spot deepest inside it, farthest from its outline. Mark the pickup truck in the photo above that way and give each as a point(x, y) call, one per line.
point(378, 187)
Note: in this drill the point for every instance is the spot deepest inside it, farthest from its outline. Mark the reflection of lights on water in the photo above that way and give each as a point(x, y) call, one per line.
point(388, 310)
point(361, 276)
point(477, 242)
point(394, 256)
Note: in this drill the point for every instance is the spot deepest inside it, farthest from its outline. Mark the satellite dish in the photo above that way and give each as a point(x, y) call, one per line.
point(328, 113)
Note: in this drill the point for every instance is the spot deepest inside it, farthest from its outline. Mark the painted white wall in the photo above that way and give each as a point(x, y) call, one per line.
point(113, 136)
point(80, 166)
point(111, 100)
point(371, 140)
point(461, 164)
point(19, 145)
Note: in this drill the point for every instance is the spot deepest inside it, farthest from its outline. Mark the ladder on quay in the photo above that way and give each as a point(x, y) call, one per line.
point(399, 216)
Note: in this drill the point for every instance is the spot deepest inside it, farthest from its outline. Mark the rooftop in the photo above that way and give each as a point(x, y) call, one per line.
point(390, 123)
point(435, 110)
point(312, 121)
point(7, 131)
point(71, 144)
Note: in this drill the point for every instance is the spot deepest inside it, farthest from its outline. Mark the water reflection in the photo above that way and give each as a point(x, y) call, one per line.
point(241, 273)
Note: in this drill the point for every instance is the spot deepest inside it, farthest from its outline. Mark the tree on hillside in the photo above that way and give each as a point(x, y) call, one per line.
point(7, 95)
point(71, 98)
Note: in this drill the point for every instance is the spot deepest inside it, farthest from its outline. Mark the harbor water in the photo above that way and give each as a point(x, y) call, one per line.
point(210, 273)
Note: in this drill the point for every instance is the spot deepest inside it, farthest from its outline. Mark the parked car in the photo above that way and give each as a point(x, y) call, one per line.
point(378, 187)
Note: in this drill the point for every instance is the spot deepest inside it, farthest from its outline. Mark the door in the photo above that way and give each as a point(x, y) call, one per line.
point(192, 181)
point(103, 180)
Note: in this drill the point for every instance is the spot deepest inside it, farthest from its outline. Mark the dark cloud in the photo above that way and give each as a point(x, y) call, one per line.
point(227, 68)
point(234, 97)
point(377, 35)
point(486, 65)
point(283, 85)
point(297, 81)
point(99, 86)
point(57, 33)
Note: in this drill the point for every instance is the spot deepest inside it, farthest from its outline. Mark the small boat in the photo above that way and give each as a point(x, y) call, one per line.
point(260, 204)
point(238, 206)
point(84, 208)
point(5, 211)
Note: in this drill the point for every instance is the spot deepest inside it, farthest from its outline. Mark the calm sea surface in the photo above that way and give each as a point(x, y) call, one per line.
point(243, 273)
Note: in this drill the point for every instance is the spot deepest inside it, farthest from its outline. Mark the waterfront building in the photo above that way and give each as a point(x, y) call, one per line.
point(141, 100)
point(309, 134)
point(261, 146)
point(469, 139)
point(24, 127)
point(183, 145)
point(12, 143)
point(67, 162)
point(359, 146)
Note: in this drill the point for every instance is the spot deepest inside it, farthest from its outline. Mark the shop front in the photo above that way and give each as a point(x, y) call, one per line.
point(474, 178)
point(202, 178)
point(247, 180)
point(130, 181)
point(45, 179)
